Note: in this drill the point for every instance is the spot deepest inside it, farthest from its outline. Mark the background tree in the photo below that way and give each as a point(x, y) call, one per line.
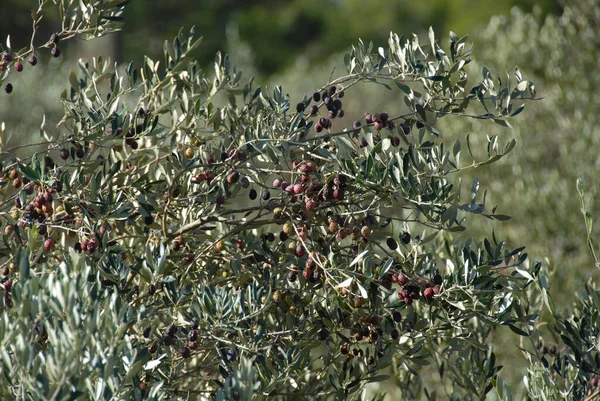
point(560, 145)
point(278, 32)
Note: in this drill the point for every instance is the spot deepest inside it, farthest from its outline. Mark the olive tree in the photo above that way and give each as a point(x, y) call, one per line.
point(187, 234)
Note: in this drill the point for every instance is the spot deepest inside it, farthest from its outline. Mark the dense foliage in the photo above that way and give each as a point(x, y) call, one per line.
point(185, 234)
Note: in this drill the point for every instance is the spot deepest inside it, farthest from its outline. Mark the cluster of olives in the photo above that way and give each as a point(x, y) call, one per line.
point(36, 212)
point(7, 59)
point(369, 328)
point(169, 338)
point(87, 245)
point(331, 100)
point(544, 349)
point(413, 291)
point(185, 344)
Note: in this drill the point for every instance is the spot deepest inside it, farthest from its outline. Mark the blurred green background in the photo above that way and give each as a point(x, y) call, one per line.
point(298, 44)
point(278, 32)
